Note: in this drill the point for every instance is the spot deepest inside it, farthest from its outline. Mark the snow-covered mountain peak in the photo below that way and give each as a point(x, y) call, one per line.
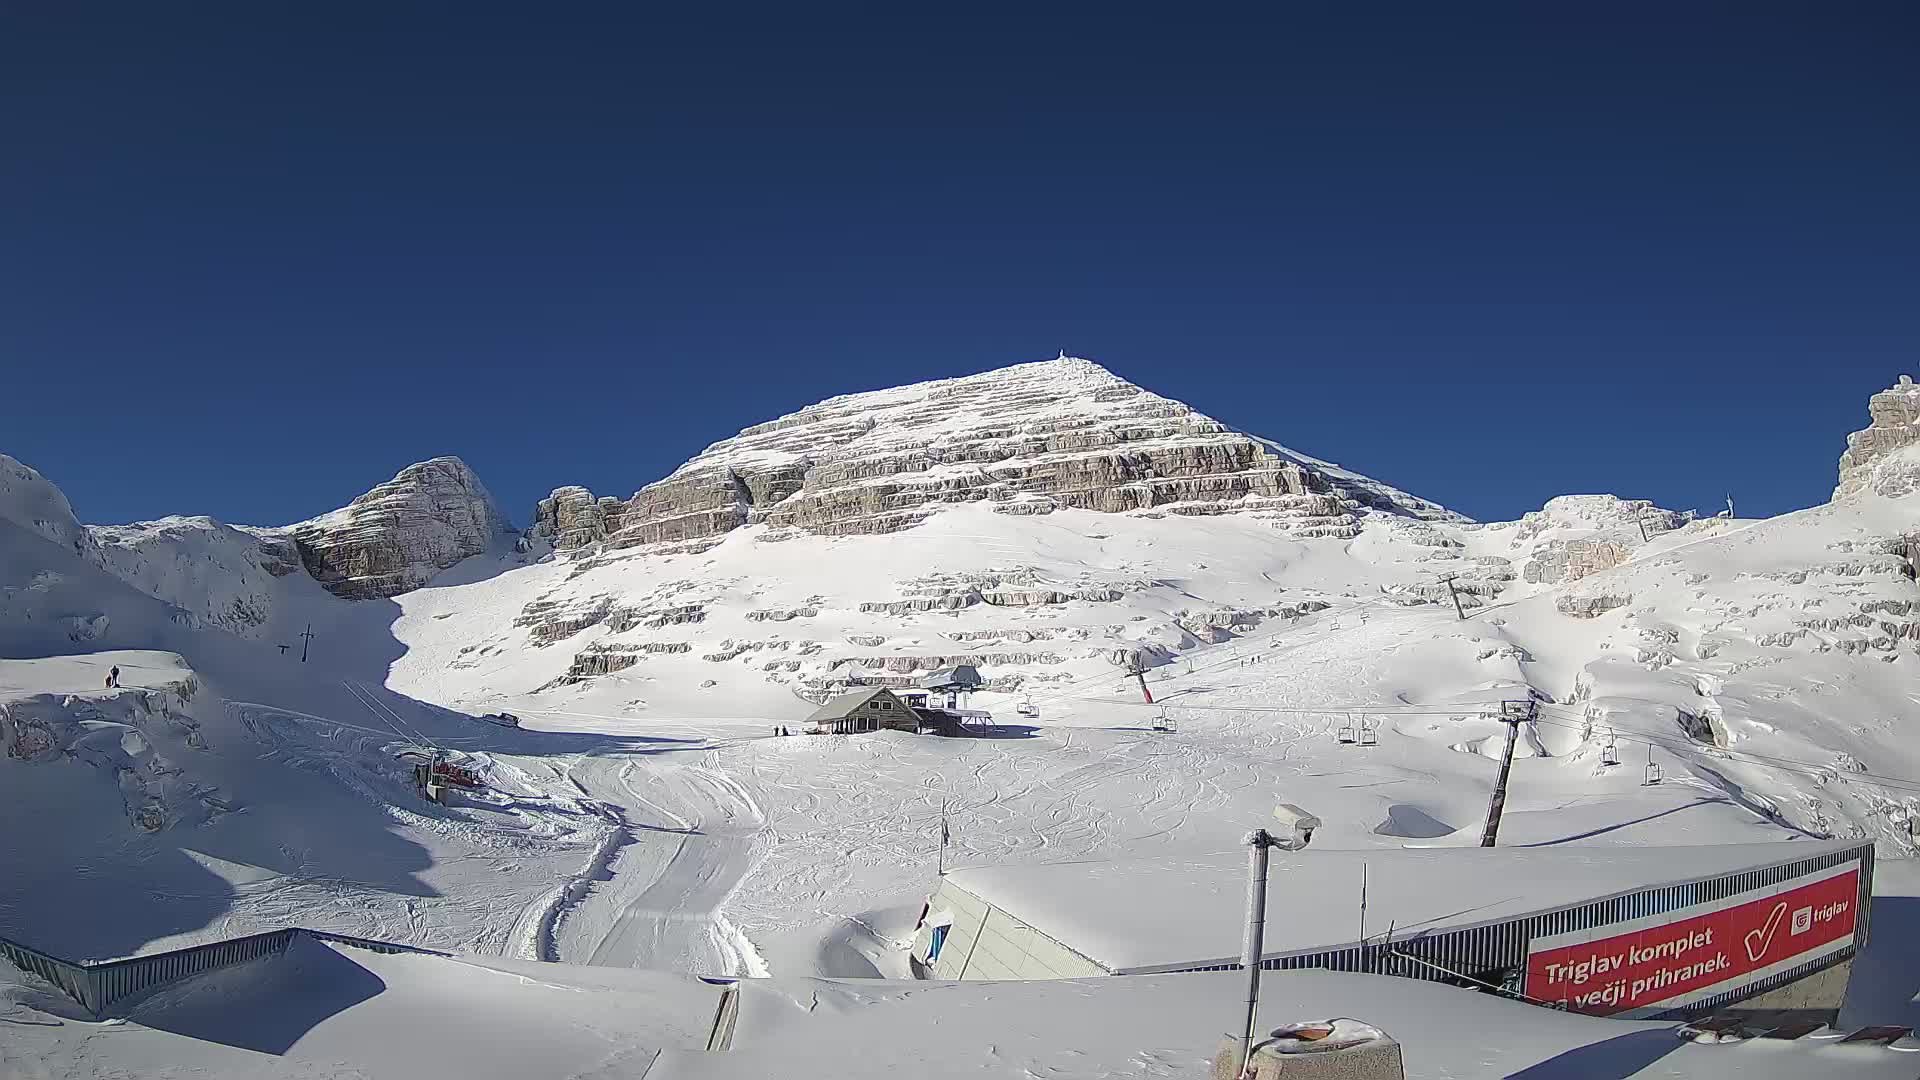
point(1025, 440)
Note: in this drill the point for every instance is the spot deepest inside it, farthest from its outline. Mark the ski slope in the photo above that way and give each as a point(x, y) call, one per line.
point(644, 815)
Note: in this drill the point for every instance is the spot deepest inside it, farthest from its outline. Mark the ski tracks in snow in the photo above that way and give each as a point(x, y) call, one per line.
point(696, 833)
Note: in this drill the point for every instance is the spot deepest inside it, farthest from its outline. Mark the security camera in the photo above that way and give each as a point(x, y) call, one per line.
point(1301, 823)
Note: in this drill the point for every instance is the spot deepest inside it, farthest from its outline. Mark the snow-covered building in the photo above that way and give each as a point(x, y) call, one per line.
point(863, 710)
point(1610, 931)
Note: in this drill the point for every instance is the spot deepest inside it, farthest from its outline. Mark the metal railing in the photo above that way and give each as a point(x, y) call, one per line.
point(98, 984)
point(1504, 943)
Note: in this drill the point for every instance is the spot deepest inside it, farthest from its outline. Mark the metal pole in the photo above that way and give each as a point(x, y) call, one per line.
point(1513, 714)
point(1259, 841)
point(1499, 804)
point(1455, 593)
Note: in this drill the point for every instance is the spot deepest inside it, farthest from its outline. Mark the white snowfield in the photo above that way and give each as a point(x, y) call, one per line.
point(338, 1012)
point(645, 815)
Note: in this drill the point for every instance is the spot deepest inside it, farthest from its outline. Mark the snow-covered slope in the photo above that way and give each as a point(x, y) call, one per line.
point(214, 571)
point(1048, 523)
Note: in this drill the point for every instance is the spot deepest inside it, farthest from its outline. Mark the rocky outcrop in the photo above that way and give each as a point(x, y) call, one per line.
point(1872, 461)
point(549, 620)
point(1591, 605)
point(572, 518)
point(396, 537)
point(782, 614)
point(1027, 439)
point(1579, 535)
point(124, 737)
point(278, 551)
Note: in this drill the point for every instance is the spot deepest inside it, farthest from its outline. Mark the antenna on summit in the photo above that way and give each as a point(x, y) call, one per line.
point(1062, 356)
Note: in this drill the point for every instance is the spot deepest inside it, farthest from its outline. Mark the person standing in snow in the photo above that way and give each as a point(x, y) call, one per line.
point(113, 677)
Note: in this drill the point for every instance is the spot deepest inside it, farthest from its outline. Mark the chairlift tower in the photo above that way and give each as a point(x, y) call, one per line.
point(1512, 714)
point(1137, 668)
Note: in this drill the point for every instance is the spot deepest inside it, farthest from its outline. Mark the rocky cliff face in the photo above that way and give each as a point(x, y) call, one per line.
point(1868, 463)
point(1029, 439)
point(396, 537)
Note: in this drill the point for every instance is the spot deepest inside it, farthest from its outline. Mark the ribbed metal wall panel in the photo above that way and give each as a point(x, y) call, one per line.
point(1503, 944)
point(72, 979)
point(98, 984)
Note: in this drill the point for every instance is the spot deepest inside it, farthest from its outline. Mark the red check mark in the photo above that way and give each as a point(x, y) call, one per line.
point(1759, 941)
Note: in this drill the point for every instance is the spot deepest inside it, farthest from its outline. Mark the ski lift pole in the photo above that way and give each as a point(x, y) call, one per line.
point(1259, 842)
point(1513, 714)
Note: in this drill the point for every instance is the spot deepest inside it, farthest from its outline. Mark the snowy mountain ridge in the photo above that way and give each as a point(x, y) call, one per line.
point(1766, 666)
point(1026, 439)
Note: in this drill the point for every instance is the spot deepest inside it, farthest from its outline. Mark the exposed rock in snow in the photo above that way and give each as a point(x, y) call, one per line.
point(1895, 425)
point(396, 537)
point(1029, 439)
point(1584, 534)
point(1591, 604)
point(279, 552)
point(572, 518)
point(220, 574)
point(115, 732)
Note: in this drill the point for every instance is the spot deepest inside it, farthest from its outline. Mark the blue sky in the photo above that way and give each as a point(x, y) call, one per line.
point(256, 258)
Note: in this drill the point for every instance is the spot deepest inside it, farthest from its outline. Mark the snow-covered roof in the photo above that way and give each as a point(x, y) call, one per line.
point(1151, 914)
point(842, 704)
point(963, 676)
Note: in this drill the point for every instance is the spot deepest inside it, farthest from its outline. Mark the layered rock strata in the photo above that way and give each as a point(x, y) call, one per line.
point(1028, 439)
point(396, 537)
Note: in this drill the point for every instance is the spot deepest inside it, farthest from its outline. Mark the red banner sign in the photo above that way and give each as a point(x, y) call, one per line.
point(1710, 950)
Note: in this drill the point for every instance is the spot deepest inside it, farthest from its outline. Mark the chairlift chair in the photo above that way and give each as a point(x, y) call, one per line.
point(1369, 736)
point(1654, 775)
point(1163, 722)
point(1347, 734)
point(1610, 751)
point(1028, 709)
